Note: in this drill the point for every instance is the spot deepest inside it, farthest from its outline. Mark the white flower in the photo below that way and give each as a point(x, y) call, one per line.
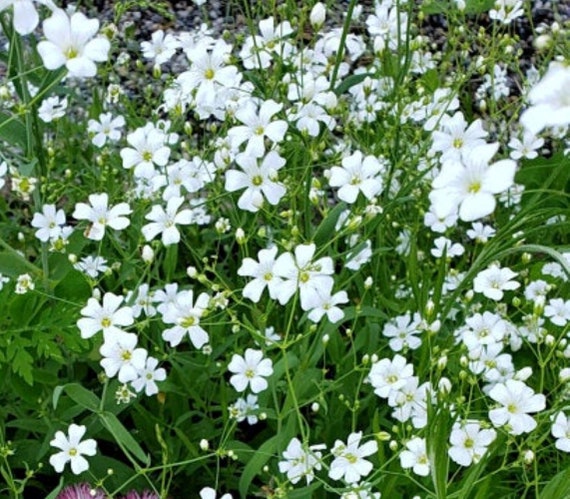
point(148, 148)
point(322, 303)
point(161, 48)
point(3, 171)
point(470, 184)
point(209, 492)
point(506, 11)
point(148, 376)
point(259, 180)
point(469, 442)
point(357, 174)
point(107, 317)
point(558, 311)
point(318, 15)
point(550, 100)
point(52, 108)
point(245, 408)
point(250, 370)
point(101, 215)
point(494, 280)
point(48, 223)
point(24, 283)
point(301, 461)
point(402, 332)
point(106, 128)
point(454, 138)
point(91, 265)
point(3, 280)
point(444, 245)
point(561, 431)
point(70, 42)
point(120, 356)
point(185, 313)
point(527, 147)
point(257, 126)
point(26, 17)
point(349, 463)
point(300, 272)
point(415, 456)
point(263, 275)
point(481, 233)
point(72, 450)
point(517, 401)
point(388, 376)
point(164, 221)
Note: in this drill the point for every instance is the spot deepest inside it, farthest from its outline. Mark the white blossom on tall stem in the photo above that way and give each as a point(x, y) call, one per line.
point(357, 174)
point(72, 449)
point(49, 223)
point(298, 271)
point(165, 221)
point(550, 100)
point(259, 178)
point(263, 274)
point(26, 17)
point(349, 463)
point(250, 370)
point(257, 126)
point(71, 42)
point(108, 317)
point(517, 400)
point(469, 442)
point(101, 215)
point(469, 185)
point(415, 456)
point(122, 358)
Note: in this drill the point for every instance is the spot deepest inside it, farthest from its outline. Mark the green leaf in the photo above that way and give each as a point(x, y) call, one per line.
point(443, 6)
point(79, 394)
point(55, 492)
point(558, 487)
point(350, 81)
point(13, 264)
point(22, 364)
point(439, 427)
point(123, 438)
point(325, 231)
point(253, 467)
point(12, 130)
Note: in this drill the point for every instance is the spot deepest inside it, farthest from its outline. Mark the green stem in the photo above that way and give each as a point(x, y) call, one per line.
point(340, 53)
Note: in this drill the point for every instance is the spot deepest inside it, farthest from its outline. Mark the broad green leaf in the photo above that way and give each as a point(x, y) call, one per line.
point(12, 130)
point(558, 487)
point(325, 231)
point(350, 81)
point(265, 452)
point(123, 438)
point(77, 393)
point(13, 264)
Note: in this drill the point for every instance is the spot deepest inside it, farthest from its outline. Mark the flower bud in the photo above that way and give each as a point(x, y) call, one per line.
point(147, 254)
point(528, 456)
point(240, 236)
point(318, 15)
point(564, 375)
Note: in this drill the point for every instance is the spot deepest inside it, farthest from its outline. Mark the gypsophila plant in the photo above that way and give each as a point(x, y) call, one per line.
point(294, 249)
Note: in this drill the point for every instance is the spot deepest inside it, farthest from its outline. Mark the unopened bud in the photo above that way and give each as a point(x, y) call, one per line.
point(147, 254)
point(318, 15)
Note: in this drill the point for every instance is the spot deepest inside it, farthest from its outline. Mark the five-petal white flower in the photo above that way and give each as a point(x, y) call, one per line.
point(72, 449)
